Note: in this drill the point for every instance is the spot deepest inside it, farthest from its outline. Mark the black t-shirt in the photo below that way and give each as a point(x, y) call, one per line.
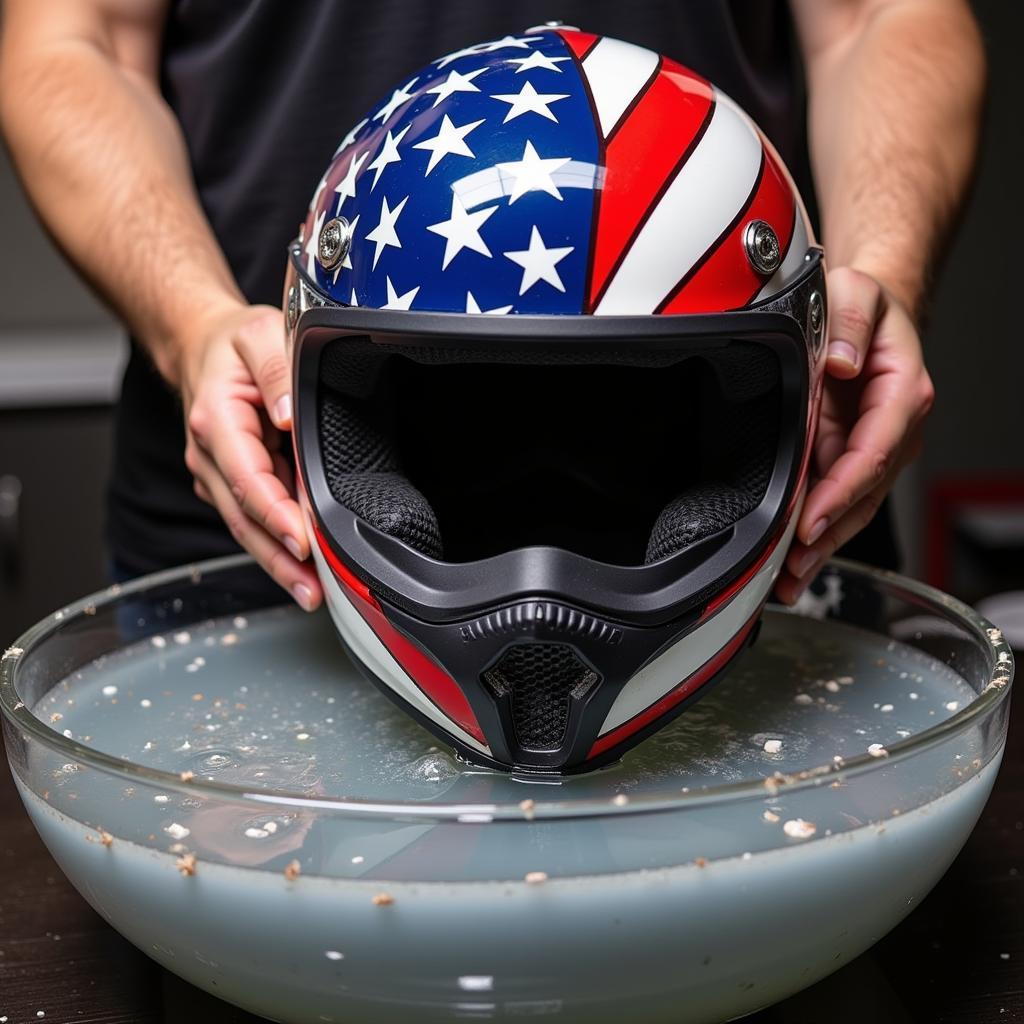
point(264, 91)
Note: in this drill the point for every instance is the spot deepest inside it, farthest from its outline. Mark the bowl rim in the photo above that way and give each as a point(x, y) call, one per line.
point(992, 695)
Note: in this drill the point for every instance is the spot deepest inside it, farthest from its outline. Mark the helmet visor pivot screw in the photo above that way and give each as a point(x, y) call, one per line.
point(816, 320)
point(292, 307)
point(334, 242)
point(762, 246)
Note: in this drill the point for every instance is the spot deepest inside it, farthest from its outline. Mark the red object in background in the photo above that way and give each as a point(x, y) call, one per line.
point(950, 497)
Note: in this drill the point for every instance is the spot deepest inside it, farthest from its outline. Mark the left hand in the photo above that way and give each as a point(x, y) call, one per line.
point(877, 393)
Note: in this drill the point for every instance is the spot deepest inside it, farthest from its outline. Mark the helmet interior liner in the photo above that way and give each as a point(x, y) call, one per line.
point(625, 457)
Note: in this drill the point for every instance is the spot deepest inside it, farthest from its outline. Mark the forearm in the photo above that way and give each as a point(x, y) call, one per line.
point(103, 161)
point(895, 91)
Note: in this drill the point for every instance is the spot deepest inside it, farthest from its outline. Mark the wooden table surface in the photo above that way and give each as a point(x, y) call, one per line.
point(957, 959)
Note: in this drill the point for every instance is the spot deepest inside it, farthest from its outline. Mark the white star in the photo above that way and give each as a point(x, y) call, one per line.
point(533, 174)
point(311, 244)
point(456, 82)
point(449, 139)
point(351, 137)
point(462, 231)
point(509, 41)
point(469, 51)
point(384, 233)
point(346, 263)
point(539, 262)
point(472, 307)
point(346, 188)
point(398, 97)
point(396, 301)
point(536, 60)
point(480, 48)
point(354, 301)
point(388, 154)
point(529, 101)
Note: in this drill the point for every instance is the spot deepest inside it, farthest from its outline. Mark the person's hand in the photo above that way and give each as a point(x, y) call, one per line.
point(236, 390)
point(877, 393)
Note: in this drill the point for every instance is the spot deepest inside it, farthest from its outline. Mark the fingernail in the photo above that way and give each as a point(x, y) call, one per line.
point(293, 546)
point(283, 409)
point(817, 530)
point(304, 596)
point(805, 563)
point(844, 352)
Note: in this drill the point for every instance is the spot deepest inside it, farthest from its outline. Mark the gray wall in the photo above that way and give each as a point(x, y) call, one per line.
point(37, 289)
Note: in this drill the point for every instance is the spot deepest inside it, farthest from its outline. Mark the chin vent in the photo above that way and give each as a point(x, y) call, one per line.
point(540, 680)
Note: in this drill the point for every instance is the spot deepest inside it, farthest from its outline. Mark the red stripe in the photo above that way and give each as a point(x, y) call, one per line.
point(581, 43)
point(676, 695)
point(727, 595)
point(640, 159)
point(421, 669)
point(726, 280)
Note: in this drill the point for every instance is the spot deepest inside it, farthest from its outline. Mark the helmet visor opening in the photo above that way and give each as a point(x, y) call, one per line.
point(625, 459)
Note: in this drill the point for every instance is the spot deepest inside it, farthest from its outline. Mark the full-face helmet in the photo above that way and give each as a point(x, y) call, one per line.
point(556, 319)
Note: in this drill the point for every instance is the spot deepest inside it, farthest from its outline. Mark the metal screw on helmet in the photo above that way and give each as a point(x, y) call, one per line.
point(762, 246)
point(292, 307)
point(334, 242)
point(816, 320)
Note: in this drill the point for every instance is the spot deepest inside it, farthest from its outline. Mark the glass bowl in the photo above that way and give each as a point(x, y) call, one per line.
point(307, 853)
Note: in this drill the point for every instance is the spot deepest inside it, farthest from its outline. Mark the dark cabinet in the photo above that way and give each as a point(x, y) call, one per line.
point(54, 468)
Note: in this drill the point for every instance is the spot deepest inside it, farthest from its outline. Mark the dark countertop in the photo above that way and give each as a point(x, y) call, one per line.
point(957, 959)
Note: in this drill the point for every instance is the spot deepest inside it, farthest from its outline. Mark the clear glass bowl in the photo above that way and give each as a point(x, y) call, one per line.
point(348, 895)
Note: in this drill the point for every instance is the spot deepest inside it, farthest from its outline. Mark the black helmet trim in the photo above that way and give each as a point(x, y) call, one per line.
point(434, 590)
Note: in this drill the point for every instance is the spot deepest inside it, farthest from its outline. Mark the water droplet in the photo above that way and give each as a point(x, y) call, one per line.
point(211, 762)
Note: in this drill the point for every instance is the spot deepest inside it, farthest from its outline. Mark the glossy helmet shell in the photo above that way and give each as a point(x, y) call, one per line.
point(548, 198)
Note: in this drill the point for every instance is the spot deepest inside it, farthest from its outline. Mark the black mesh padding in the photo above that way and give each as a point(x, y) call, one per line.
point(389, 502)
point(540, 679)
point(694, 515)
point(744, 371)
point(363, 475)
point(741, 454)
point(349, 443)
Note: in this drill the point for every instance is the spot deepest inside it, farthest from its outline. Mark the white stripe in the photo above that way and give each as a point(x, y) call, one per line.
point(616, 72)
point(696, 649)
point(803, 237)
point(370, 650)
point(699, 204)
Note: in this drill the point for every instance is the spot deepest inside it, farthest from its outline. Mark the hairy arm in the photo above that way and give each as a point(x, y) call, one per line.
point(895, 95)
point(895, 91)
point(104, 162)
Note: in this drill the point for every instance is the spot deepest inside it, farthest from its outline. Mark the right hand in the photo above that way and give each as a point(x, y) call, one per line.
point(236, 389)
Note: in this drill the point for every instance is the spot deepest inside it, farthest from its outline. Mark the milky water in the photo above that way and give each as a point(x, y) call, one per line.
point(693, 915)
point(270, 701)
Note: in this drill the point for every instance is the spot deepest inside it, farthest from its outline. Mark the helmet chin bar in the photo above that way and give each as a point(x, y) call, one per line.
point(604, 653)
point(588, 660)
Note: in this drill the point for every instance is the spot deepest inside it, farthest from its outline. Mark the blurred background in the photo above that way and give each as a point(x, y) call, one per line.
point(959, 510)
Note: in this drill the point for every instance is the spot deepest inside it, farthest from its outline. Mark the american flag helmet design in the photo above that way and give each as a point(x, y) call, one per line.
point(556, 320)
point(555, 172)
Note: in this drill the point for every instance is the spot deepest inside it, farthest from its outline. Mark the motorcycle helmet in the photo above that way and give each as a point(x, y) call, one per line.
point(556, 320)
